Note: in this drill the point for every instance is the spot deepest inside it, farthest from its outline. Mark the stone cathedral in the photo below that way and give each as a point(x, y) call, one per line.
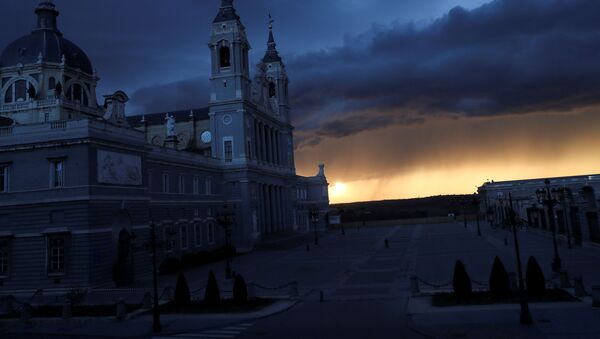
point(81, 182)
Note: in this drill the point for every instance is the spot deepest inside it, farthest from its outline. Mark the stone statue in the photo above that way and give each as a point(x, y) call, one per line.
point(170, 126)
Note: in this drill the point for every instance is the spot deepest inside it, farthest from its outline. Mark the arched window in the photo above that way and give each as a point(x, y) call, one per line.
point(51, 83)
point(272, 89)
point(78, 94)
point(224, 57)
point(17, 92)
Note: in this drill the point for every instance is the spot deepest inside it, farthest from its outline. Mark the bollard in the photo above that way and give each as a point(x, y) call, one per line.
point(564, 279)
point(251, 293)
point(579, 289)
point(512, 278)
point(67, 310)
point(26, 312)
point(387, 243)
point(294, 290)
point(147, 301)
point(121, 310)
point(596, 296)
point(414, 284)
point(321, 296)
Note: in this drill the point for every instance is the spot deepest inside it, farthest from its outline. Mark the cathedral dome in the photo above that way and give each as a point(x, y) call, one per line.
point(46, 40)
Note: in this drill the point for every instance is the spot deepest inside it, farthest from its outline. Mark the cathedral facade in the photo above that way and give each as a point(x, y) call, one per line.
point(81, 182)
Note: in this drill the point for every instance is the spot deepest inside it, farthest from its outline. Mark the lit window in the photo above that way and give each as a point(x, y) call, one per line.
point(4, 257)
point(4, 178)
point(198, 235)
point(228, 150)
point(210, 234)
point(56, 255)
point(183, 236)
point(57, 173)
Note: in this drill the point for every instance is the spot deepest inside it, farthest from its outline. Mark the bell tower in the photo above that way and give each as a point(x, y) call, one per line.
point(277, 79)
point(230, 75)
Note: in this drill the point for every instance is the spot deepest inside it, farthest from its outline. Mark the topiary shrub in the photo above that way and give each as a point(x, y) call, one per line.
point(461, 282)
point(182, 291)
point(169, 265)
point(212, 295)
point(118, 274)
point(240, 291)
point(499, 281)
point(534, 277)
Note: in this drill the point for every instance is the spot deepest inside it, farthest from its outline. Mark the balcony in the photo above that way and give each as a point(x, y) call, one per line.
point(46, 103)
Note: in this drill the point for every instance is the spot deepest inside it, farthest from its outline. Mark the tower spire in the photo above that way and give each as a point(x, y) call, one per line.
point(271, 55)
point(226, 12)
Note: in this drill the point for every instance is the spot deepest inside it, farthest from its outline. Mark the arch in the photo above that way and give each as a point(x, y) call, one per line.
point(123, 268)
point(224, 57)
point(51, 83)
point(272, 89)
point(18, 89)
point(77, 91)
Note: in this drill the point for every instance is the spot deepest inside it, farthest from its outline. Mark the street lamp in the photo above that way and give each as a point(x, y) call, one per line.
point(314, 219)
point(546, 196)
point(476, 204)
point(226, 218)
point(562, 194)
point(525, 315)
point(156, 326)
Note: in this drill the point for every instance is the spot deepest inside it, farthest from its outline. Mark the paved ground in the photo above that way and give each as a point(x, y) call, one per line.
point(365, 289)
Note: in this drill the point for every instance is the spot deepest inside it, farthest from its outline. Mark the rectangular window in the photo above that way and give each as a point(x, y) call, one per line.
point(210, 233)
point(4, 178)
point(168, 238)
point(183, 236)
point(208, 185)
point(196, 185)
point(56, 255)
point(4, 257)
point(228, 150)
point(57, 173)
point(181, 184)
point(165, 183)
point(198, 235)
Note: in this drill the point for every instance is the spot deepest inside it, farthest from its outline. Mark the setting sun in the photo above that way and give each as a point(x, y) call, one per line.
point(338, 190)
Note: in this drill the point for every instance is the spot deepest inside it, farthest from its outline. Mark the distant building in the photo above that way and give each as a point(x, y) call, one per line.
point(575, 210)
point(80, 182)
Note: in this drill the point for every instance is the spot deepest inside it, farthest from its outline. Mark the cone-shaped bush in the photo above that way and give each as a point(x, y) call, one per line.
point(240, 291)
point(182, 291)
point(499, 281)
point(534, 277)
point(212, 295)
point(461, 281)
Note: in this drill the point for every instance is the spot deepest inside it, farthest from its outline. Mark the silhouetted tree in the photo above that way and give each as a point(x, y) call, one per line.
point(240, 291)
point(461, 281)
point(212, 295)
point(182, 291)
point(499, 281)
point(536, 282)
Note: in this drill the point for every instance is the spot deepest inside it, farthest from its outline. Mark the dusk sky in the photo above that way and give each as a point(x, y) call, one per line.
point(399, 98)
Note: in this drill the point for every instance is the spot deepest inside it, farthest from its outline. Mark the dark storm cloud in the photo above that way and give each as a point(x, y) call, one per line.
point(505, 57)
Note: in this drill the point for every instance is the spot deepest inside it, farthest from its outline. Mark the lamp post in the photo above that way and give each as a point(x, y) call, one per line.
point(314, 219)
point(476, 204)
point(563, 193)
point(546, 196)
point(156, 326)
point(226, 218)
point(525, 316)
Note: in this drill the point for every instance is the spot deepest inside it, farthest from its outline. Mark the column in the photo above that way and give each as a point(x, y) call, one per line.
point(256, 141)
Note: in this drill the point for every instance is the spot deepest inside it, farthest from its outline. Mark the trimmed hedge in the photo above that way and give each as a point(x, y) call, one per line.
point(212, 295)
point(499, 281)
point(240, 291)
point(182, 291)
point(461, 282)
point(536, 282)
